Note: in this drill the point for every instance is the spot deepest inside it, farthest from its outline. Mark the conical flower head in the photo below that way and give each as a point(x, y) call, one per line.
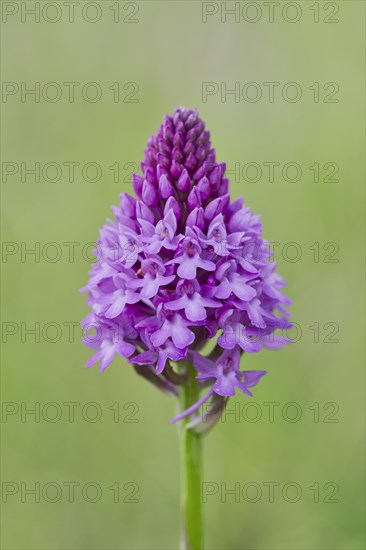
point(181, 264)
point(180, 167)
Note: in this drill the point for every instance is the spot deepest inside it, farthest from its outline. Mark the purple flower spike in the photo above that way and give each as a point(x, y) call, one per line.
point(182, 264)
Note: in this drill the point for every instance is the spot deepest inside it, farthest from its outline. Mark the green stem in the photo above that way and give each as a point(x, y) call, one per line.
point(191, 467)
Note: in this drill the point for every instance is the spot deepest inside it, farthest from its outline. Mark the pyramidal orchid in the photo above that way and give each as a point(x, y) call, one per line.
point(182, 266)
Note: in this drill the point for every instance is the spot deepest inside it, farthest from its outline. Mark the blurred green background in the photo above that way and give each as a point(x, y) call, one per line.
point(168, 53)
